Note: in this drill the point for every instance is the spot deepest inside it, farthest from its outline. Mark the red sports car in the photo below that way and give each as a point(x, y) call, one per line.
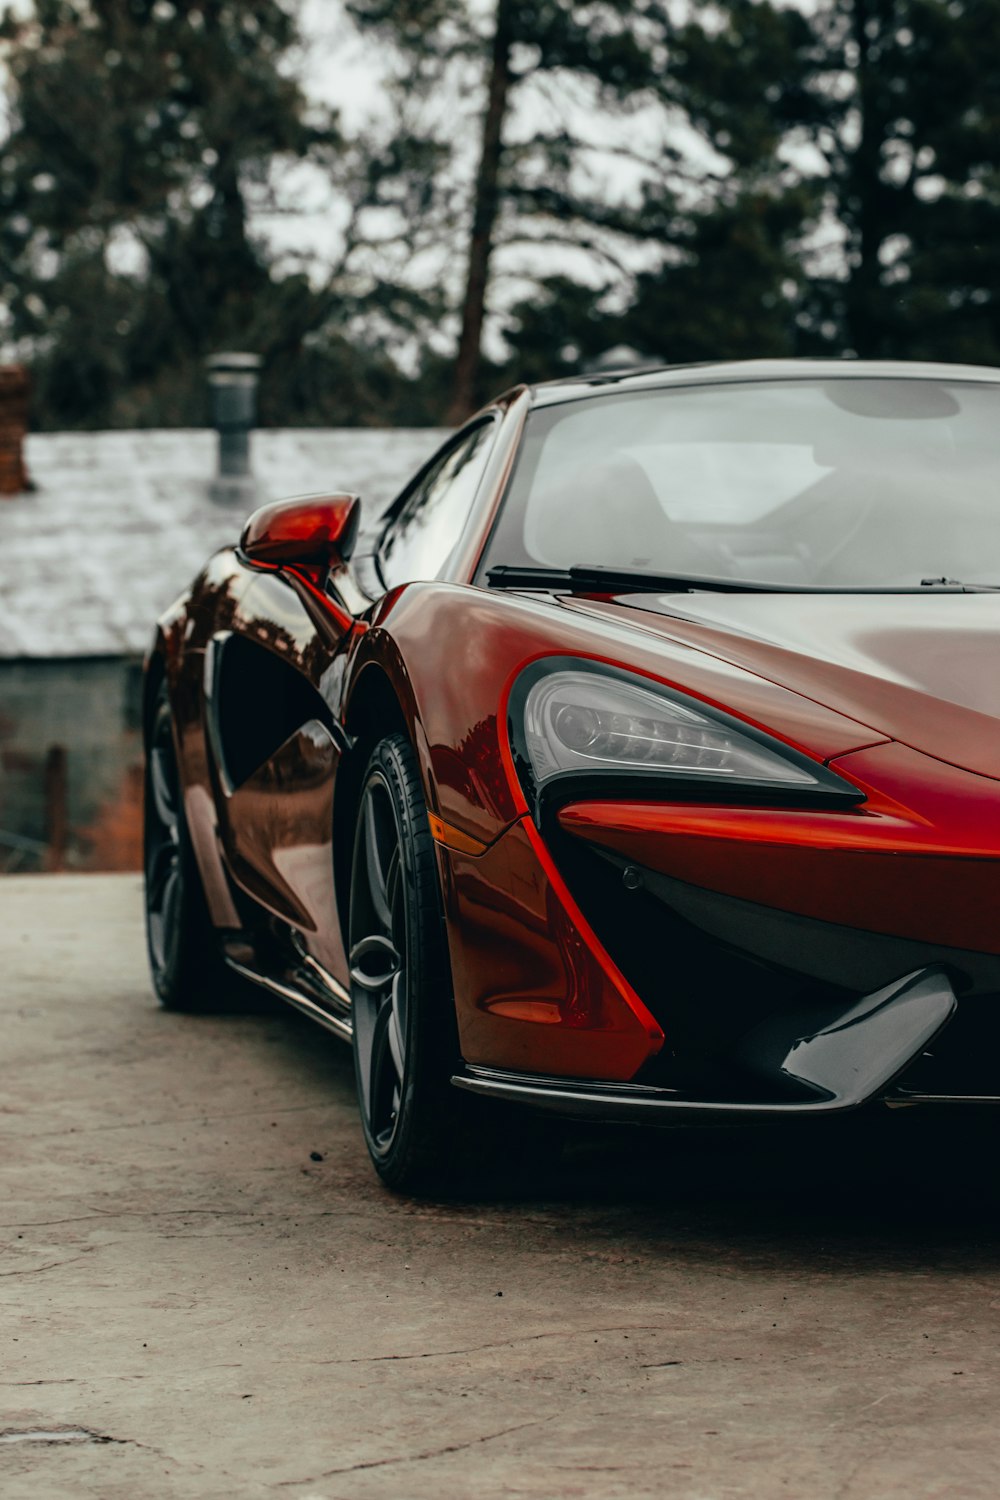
point(646, 766)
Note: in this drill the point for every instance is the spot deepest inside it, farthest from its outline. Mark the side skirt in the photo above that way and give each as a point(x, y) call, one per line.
point(309, 988)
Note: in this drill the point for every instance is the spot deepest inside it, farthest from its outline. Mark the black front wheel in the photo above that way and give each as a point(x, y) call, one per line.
point(405, 1034)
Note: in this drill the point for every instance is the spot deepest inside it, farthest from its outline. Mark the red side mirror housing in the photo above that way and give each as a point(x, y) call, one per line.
point(308, 530)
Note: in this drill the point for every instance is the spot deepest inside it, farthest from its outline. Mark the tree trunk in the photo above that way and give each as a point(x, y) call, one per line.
point(485, 209)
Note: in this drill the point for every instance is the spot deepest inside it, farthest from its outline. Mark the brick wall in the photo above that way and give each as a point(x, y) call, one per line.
point(13, 427)
point(70, 765)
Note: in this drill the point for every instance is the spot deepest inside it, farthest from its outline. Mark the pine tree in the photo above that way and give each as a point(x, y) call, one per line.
point(888, 113)
point(530, 192)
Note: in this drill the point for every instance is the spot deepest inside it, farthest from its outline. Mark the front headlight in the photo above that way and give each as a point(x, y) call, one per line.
point(571, 719)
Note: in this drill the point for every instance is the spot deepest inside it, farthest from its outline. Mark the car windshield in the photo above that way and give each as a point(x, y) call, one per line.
point(844, 481)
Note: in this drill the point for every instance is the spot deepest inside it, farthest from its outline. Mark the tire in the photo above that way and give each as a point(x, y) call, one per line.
point(186, 967)
point(405, 1031)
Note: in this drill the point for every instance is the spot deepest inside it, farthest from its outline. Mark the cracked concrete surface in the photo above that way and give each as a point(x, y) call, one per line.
point(191, 1306)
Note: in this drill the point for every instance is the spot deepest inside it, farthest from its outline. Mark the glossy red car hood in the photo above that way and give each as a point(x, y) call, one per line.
point(923, 669)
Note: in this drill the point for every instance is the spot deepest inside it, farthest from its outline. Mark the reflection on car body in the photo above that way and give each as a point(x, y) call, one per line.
point(645, 767)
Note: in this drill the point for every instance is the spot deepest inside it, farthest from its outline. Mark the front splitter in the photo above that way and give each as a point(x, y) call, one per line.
point(851, 1060)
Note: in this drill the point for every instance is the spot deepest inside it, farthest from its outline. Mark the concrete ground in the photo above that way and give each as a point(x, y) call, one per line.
point(193, 1304)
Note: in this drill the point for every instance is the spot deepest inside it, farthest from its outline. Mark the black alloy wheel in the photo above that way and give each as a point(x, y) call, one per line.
point(405, 1034)
point(184, 959)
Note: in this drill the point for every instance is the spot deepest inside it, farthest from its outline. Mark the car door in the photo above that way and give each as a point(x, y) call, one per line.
point(278, 747)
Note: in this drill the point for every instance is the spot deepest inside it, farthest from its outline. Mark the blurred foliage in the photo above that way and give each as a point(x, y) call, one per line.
point(145, 135)
point(886, 113)
point(123, 222)
point(686, 311)
point(844, 197)
point(855, 207)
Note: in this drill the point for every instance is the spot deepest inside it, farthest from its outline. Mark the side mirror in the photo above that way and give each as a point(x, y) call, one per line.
point(308, 530)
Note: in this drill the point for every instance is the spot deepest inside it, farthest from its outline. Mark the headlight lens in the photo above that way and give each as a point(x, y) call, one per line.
point(587, 721)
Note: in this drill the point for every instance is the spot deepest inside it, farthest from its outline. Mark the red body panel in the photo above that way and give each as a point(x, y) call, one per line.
point(920, 859)
point(456, 652)
point(316, 529)
point(898, 693)
point(917, 668)
point(272, 835)
point(270, 818)
point(537, 991)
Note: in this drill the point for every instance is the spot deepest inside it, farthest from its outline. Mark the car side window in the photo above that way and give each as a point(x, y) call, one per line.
point(422, 534)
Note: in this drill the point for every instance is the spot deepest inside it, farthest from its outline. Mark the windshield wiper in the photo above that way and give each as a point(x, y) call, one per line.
point(956, 586)
point(590, 578)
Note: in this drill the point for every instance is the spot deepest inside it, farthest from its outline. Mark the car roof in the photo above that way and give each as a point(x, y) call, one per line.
point(724, 372)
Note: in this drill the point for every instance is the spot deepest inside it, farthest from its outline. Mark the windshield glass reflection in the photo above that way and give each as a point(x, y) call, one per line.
point(839, 482)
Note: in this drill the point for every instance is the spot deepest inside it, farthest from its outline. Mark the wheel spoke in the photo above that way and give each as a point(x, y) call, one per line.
point(162, 863)
point(162, 789)
point(397, 1015)
point(377, 883)
point(380, 1052)
point(171, 899)
point(154, 926)
point(364, 1026)
point(394, 887)
point(164, 880)
point(384, 1077)
point(374, 953)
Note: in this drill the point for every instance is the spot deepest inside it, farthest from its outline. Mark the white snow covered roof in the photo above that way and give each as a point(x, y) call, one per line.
point(121, 522)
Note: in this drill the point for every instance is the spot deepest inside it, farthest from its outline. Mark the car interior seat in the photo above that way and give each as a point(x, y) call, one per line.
point(608, 513)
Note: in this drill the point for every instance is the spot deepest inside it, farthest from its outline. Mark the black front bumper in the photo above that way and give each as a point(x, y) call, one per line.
point(851, 1059)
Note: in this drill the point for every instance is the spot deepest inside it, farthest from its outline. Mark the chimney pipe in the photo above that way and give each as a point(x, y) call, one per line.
point(14, 387)
point(232, 385)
